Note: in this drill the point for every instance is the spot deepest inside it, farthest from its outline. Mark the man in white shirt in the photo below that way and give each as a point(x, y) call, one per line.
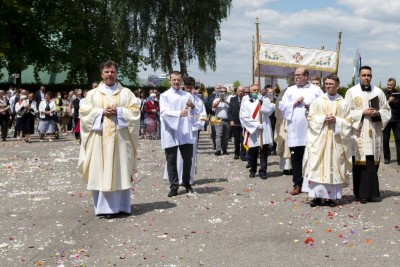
point(294, 107)
point(176, 110)
point(222, 130)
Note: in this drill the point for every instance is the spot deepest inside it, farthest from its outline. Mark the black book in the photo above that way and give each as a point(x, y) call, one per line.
point(396, 95)
point(374, 103)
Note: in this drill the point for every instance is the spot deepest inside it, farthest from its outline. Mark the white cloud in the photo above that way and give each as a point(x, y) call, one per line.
point(370, 26)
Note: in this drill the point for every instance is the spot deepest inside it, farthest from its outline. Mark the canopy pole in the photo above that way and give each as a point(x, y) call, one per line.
point(338, 51)
point(257, 50)
point(252, 60)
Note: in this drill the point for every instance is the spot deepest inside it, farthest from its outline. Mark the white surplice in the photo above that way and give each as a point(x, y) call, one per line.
point(250, 120)
point(107, 158)
point(197, 125)
point(327, 158)
point(175, 130)
point(297, 116)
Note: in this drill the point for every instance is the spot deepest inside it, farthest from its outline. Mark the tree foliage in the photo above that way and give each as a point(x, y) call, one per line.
point(236, 84)
point(178, 31)
point(78, 35)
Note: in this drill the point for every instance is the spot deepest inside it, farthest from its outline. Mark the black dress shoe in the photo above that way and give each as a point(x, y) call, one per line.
point(225, 152)
point(189, 189)
point(243, 158)
point(374, 199)
point(315, 202)
point(363, 200)
point(248, 165)
point(236, 157)
point(330, 203)
point(110, 216)
point(173, 192)
point(252, 175)
point(387, 161)
point(218, 153)
point(263, 175)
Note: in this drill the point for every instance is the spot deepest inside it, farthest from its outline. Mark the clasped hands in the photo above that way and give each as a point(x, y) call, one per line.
point(110, 111)
point(185, 111)
point(330, 119)
point(370, 112)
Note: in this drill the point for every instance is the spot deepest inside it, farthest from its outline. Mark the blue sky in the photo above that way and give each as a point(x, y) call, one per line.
point(372, 26)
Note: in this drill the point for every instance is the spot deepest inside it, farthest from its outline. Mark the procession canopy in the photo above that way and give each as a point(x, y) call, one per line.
point(279, 61)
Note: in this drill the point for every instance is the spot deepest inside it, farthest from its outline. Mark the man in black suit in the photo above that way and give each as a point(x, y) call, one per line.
point(394, 123)
point(39, 96)
point(234, 120)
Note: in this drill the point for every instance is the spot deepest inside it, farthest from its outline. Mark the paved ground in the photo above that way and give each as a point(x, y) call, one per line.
point(47, 216)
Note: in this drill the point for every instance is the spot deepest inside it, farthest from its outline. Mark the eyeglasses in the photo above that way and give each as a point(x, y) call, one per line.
point(298, 75)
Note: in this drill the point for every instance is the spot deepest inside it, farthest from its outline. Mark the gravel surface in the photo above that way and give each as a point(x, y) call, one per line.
point(47, 216)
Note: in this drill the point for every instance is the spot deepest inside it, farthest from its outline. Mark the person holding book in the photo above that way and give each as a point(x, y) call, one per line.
point(370, 113)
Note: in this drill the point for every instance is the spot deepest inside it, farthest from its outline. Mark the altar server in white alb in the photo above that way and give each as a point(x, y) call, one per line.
point(294, 107)
point(370, 113)
point(327, 157)
point(197, 125)
point(176, 110)
point(109, 126)
point(254, 117)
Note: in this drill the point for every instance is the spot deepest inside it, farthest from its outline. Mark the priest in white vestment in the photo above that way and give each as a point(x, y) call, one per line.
point(327, 158)
point(254, 117)
point(197, 125)
point(109, 128)
point(294, 107)
point(370, 113)
point(176, 110)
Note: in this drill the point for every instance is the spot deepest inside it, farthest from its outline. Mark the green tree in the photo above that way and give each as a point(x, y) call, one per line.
point(23, 38)
point(92, 32)
point(236, 84)
point(177, 31)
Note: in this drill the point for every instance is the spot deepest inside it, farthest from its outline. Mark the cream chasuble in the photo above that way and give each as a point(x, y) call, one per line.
point(367, 135)
point(281, 130)
point(327, 157)
point(107, 158)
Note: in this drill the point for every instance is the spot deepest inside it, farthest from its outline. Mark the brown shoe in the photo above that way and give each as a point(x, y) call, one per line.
point(296, 190)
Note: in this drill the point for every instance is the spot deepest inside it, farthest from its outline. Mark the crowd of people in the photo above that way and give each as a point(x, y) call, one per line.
point(322, 138)
point(22, 113)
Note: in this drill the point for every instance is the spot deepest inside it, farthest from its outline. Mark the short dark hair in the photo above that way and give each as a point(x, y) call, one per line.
point(189, 81)
point(108, 64)
point(175, 72)
point(392, 80)
point(364, 68)
point(333, 77)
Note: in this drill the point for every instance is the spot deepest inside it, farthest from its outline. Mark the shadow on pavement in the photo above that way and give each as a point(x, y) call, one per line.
point(210, 181)
point(207, 190)
point(139, 209)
